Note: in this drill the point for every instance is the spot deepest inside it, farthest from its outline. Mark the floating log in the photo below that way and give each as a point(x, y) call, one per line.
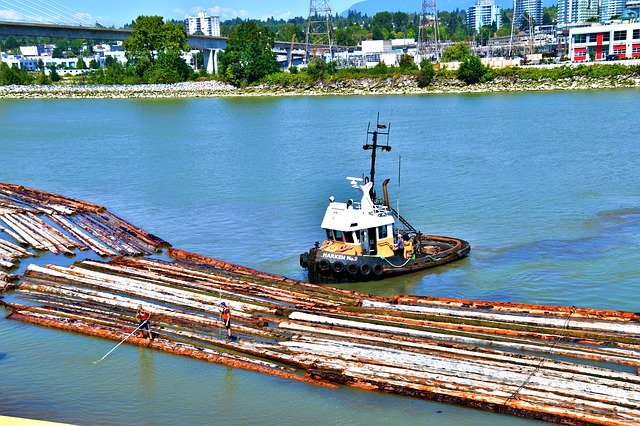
point(566, 364)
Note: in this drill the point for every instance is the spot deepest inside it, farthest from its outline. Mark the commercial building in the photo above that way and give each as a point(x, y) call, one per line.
point(600, 41)
point(484, 12)
point(207, 25)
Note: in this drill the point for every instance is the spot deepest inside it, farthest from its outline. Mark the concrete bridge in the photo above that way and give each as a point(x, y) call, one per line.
point(207, 43)
point(21, 29)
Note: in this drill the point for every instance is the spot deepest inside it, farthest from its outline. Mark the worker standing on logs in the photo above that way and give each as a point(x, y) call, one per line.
point(225, 314)
point(144, 326)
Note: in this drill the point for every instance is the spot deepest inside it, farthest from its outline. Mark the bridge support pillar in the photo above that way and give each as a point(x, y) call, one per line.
point(211, 61)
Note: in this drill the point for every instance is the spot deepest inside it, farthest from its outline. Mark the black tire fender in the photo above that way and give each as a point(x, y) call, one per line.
point(338, 266)
point(352, 268)
point(377, 269)
point(324, 265)
point(365, 269)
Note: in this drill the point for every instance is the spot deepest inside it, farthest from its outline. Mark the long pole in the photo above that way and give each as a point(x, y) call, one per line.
point(123, 340)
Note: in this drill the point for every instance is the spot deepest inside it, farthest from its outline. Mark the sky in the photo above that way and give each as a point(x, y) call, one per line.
point(120, 12)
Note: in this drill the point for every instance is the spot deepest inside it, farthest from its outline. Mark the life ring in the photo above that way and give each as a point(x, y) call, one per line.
point(365, 269)
point(303, 260)
point(377, 269)
point(352, 268)
point(324, 265)
point(338, 267)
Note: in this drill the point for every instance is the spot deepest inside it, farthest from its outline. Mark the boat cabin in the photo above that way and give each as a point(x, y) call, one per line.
point(356, 229)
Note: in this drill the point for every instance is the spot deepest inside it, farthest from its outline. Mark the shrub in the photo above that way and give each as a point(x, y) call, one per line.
point(426, 74)
point(471, 70)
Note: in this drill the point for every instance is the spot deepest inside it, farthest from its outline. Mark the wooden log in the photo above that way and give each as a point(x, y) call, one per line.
point(563, 322)
point(454, 351)
point(164, 345)
point(394, 330)
point(14, 235)
point(25, 234)
point(523, 308)
point(84, 238)
point(45, 232)
point(38, 197)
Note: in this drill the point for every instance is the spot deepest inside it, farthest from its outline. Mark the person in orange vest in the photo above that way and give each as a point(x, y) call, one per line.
point(144, 327)
point(225, 314)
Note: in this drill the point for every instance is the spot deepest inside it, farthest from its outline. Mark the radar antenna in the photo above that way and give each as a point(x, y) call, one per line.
point(379, 129)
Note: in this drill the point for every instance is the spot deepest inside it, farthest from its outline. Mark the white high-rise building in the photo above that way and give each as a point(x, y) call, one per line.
point(484, 12)
point(576, 11)
point(532, 8)
point(208, 25)
point(610, 8)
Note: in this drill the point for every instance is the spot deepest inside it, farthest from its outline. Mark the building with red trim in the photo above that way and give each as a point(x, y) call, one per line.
point(599, 41)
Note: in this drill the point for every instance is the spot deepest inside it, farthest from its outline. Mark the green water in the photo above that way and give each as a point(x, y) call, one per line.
point(544, 187)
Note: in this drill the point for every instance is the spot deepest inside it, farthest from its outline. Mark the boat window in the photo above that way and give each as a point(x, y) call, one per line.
point(338, 235)
point(382, 231)
point(329, 234)
point(348, 237)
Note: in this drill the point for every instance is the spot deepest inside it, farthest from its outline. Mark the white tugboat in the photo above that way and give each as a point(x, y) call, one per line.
point(369, 240)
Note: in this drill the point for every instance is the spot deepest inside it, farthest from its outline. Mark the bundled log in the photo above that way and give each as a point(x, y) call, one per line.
point(77, 225)
point(506, 359)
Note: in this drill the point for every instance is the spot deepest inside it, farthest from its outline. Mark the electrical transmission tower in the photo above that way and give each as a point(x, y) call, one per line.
point(428, 31)
point(319, 26)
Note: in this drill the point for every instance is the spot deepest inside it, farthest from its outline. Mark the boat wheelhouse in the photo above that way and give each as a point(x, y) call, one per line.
point(368, 239)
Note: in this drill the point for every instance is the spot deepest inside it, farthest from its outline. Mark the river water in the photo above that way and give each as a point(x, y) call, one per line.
point(544, 186)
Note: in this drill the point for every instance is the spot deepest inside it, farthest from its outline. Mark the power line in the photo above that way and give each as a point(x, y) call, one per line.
point(85, 16)
point(37, 11)
point(24, 12)
point(39, 8)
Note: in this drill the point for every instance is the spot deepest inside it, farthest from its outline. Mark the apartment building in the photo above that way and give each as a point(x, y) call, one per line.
point(208, 25)
point(576, 11)
point(484, 12)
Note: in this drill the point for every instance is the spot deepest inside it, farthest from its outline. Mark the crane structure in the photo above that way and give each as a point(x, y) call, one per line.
point(319, 28)
point(428, 31)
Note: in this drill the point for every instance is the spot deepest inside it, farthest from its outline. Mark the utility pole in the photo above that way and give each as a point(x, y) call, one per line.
point(428, 44)
point(319, 26)
point(513, 23)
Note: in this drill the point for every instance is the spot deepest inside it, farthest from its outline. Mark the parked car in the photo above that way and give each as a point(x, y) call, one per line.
point(612, 57)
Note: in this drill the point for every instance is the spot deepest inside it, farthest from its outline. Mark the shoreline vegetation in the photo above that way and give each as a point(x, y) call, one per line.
point(394, 85)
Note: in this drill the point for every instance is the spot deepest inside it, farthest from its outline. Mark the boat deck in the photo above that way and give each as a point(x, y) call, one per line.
point(564, 364)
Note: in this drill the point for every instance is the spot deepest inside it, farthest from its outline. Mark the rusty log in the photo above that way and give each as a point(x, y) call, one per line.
point(229, 360)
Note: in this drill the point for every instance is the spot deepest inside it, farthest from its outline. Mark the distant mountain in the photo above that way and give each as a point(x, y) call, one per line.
point(371, 7)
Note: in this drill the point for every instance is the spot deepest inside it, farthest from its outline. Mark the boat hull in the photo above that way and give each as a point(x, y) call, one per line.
point(329, 267)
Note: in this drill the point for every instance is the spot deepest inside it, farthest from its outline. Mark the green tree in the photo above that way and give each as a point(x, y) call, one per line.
point(169, 67)
point(407, 63)
point(150, 35)
point(484, 34)
point(93, 64)
point(53, 74)
point(80, 64)
point(10, 43)
point(456, 52)
point(13, 75)
point(471, 70)
point(425, 77)
point(248, 56)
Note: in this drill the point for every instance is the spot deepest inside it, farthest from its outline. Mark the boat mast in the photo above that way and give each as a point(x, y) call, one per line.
point(373, 146)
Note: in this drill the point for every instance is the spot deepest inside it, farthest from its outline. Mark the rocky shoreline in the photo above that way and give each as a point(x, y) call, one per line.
point(391, 86)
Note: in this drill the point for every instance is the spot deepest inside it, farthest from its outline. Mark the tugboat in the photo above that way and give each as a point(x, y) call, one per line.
point(369, 239)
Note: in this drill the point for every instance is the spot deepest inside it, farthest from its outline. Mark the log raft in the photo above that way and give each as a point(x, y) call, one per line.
point(569, 365)
point(564, 364)
point(50, 222)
